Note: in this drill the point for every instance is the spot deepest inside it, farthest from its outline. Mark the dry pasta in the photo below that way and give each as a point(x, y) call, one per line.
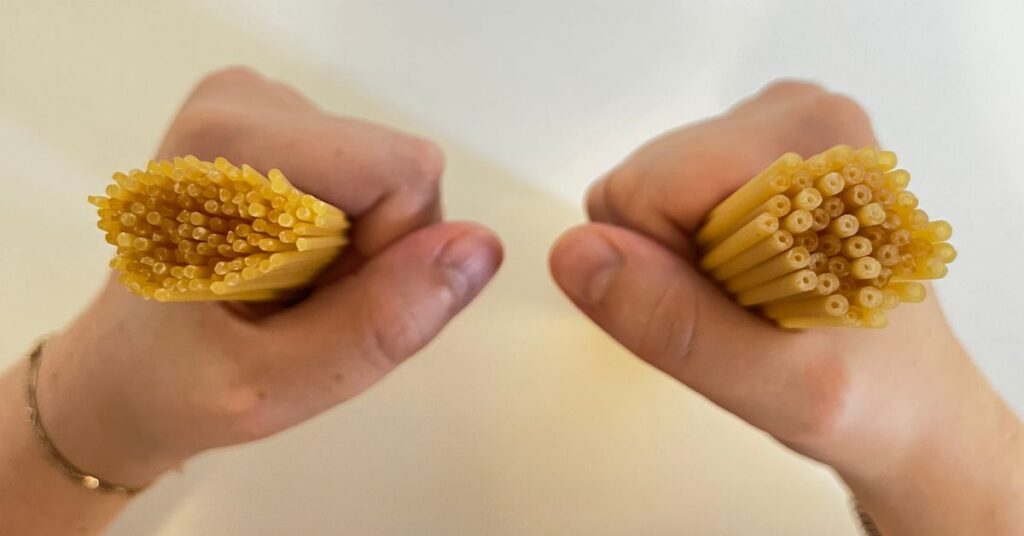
point(850, 244)
point(189, 230)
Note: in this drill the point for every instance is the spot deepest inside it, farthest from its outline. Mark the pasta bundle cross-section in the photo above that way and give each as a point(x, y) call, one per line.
point(833, 240)
point(190, 230)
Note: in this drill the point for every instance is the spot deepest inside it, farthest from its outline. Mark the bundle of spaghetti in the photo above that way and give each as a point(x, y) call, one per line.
point(189, 230)
point(833, 240)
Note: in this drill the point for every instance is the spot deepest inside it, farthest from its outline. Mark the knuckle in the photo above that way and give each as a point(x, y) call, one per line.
point(424, 162)
point(619, 192)
point(393, 333)
point(670, 335)
point(204, 127)
point(235, 74)
point(790, 88)
point(835, 115)
point(836, 105)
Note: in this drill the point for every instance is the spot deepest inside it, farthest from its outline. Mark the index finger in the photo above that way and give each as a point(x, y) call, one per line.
point(665, 188)
point(387, 180)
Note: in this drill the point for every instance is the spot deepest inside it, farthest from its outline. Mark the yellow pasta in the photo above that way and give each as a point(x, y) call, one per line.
point(773, 180)
point(847, 320)
point(856, 247)
point(865, 268)
point(720, 229)
point(746, 236)
point(870, 214)
point(830, 184)
point(777, 266)
point(797, 221)
point(833, 305)
point(890, 299)
point(908, 292)
point(798, 181)
point(857, 195)
point(783, 287)
point(829, 244)
point(844, 226)
point(190, 230)
point(818, 262)
point(850, 246)
point(807, 199)
point(809, 241)
point(778, 242)
point(869, 297)
point(827, 284)
point(834, 207)
point(872, 318)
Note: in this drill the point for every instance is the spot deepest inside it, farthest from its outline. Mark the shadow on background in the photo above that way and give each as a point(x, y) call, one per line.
point(522, 418)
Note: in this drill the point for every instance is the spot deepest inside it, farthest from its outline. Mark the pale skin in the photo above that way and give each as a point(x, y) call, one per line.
point(133, 388)
point(903, 415)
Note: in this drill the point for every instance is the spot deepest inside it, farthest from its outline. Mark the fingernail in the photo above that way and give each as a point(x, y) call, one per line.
point(468, 262)
point(593, 263)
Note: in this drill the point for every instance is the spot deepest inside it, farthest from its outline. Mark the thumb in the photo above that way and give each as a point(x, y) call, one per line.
point(661, 309)
point(360, 327)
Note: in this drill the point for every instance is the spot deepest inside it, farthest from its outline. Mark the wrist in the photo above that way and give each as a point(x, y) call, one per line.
point(964, 474)
point(87, 423)
point(38, 497)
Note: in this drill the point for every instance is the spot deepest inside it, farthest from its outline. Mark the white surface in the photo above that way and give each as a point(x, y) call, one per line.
point(941, 80)
point(522, 418)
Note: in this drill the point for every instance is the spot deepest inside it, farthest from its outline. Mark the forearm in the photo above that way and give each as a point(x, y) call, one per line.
point(36, 498)
point(966, 477)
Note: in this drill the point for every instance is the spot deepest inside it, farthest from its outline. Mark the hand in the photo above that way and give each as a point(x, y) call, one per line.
point(135, 387)
point(890, 409)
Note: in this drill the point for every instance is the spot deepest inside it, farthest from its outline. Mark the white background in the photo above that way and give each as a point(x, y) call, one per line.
point(522, 418)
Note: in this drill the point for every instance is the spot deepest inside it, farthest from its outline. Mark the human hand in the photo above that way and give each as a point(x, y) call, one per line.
point(889, 409)
point(135, 387)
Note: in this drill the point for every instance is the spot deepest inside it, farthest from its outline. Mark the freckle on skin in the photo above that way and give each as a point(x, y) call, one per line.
point(339, 377)
point(262, 395)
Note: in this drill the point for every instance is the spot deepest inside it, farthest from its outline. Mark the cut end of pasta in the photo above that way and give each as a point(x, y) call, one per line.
point(864, 241)
point(190, 230)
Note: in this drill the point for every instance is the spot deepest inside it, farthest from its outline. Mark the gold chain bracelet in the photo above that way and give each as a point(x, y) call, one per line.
point(80, 477)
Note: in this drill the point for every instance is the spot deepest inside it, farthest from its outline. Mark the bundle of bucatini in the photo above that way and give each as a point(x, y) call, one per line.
point(833, 240)
point(189, 230)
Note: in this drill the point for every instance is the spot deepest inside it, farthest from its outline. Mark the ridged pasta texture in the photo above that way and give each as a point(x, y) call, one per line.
point(190, 230)
point(833, 240)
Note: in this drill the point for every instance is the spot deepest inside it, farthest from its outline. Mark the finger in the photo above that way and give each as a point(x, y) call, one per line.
point(240, 83)
point(348, 334)
point(664, 189)
point(658, 307)
point(388, 181)
point(780, 92)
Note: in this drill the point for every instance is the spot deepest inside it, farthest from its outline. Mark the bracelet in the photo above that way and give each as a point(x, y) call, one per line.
point(80, 477)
